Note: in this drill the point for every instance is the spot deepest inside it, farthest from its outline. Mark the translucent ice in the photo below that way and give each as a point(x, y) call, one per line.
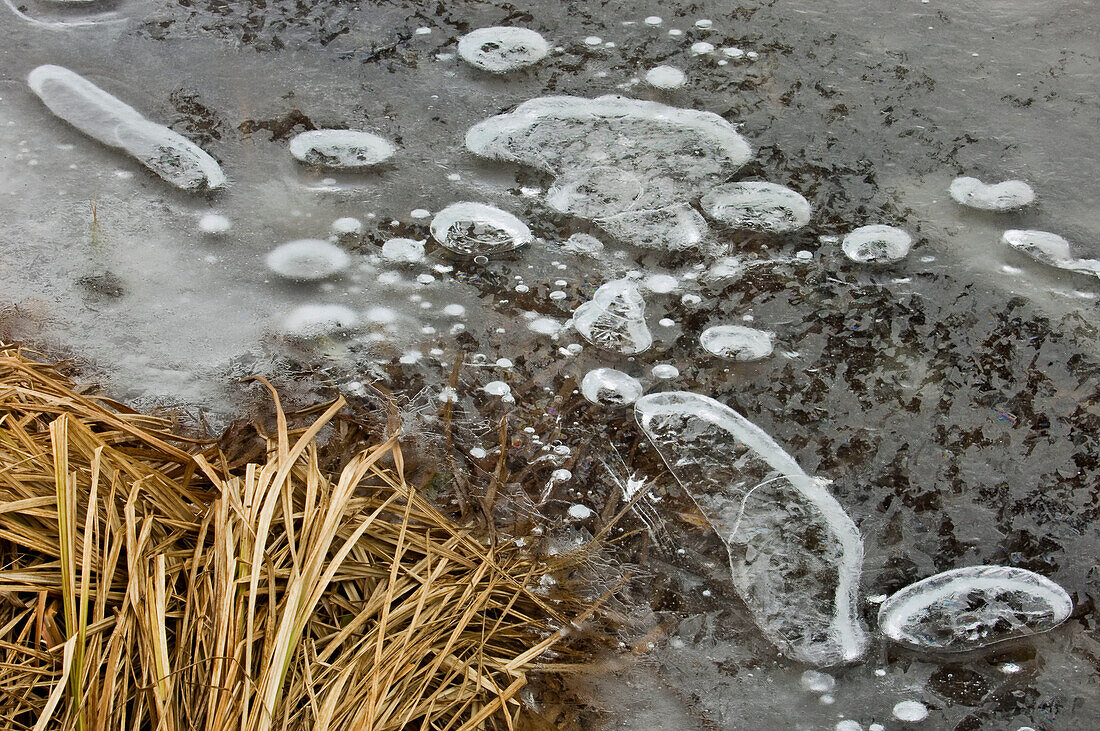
point(877, 244)
point(307, 259)
point(610, 387)
point(757, 206)
point(1004, 196)
point(340, 148)
point(615, 318)
point(631, 166)
point(476, 229)
point(116, 124)
point(737, 342)
point(502, 49)
point(1049, 249)
point(794, 553)
point(968, 608)
point(311, 321)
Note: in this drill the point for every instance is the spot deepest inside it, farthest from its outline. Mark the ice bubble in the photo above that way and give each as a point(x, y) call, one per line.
point(307, 259)
point(478, 453)
point(584, 244)
point(795, 555)
point(733, 52)
point(965, 609)
point(311, 321)
point(757, 206)
point(544, 326)
point(454, 310)
point(665, 371)
point(615, 318)
point(476, 229)
point(665, 77)
point(381, 315)
point(654, 20)
point(701, 48)
point(817, 682)
point(737, 342)
point(347, 226)
point(340, 148)
point(1006, 196)
point(502, 49)
point(876, 244)
point(580, 512)
point(610, 387)
point(403, 250)
point(214, 223)
point(601, 154)
point(114, 123)
point(910, 711)
point(660, 283)
point(498, 388)
point(848, 725)
point(1050, 249)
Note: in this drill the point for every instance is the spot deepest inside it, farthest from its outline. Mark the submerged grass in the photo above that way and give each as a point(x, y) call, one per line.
point(146, 584)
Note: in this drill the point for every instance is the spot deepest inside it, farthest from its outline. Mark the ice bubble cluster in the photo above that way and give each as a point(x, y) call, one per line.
point(969, 608)
point(1006, 196)
point(876, 244)
point(114, 123)
point(610, 387)
point(476, 229)
point(340, 148)
point(737, 342)
point(307, 260)
point(757, 206)
point(502, 49)
point(403, 250)
point(603, 154)
point(615, 318)
point(1050, 249)
point(794, 553)
point(316, 320)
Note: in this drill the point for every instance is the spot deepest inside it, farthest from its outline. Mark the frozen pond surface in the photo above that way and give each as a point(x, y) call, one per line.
point(951, 397)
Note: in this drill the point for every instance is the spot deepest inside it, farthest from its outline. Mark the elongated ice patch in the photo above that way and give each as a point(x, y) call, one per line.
point(969, 608)
point(737, 342)
point(1050, 249)
point(631, 166)
point(107, 119)
point(794, 553)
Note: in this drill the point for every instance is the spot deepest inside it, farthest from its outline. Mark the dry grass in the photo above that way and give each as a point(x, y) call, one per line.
point(146, 585)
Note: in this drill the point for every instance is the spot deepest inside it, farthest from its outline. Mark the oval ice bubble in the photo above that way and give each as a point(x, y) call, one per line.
point(107, 119)
point(615, 318)
point(737, 342)
point(610, 387)
point(403, 250)
point(307, 259)
point(341, 148)
point(347, 226)
point(477, 229)
point(502, 49)
point(969, 608)
point(665, 77)
point(316, 320)
point(1005, 196)
point(757, 206)
point(876, 244)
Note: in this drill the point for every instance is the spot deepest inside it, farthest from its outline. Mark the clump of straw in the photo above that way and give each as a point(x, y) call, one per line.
point(147, 585)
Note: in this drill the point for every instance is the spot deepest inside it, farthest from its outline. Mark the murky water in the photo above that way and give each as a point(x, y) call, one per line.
point(950, 397)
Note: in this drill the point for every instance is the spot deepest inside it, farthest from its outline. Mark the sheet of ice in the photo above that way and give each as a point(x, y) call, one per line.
point(340, 148)
point(615, 318)
point(609, 387)
point(737, 342)
point(502, 49)
point(757, 206)
point(317, 320)
point(307, 259)
point(795, 554)
point(477, 229)
point(1006, 196)
point(876, 244)
point(1050, 249)
point(631, 166)
point(968, 608)
point(109, 120)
